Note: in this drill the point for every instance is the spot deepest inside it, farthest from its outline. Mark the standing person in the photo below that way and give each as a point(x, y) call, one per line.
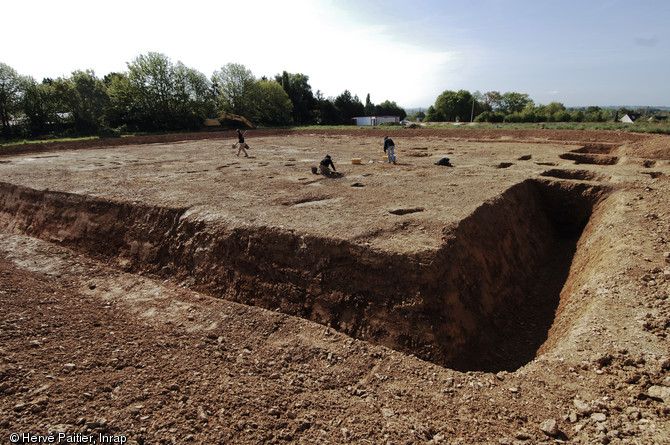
point(324, 166)
point(241, 145)
point(389, 149)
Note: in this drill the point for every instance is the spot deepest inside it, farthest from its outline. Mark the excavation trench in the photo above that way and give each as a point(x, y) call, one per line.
point(484, 301)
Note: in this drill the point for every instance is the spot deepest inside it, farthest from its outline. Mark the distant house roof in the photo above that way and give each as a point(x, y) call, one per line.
point(626, 119)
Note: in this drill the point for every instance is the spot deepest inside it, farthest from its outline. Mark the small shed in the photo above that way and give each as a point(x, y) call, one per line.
point(374, 120)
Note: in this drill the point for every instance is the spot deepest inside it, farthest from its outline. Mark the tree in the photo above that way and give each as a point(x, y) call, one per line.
point(562, 116)
point(490, 116)
point(124, 110)
point(388, 108)
point(492, 101)
point(451, 106)
point(434, 115)
point(159, 95)
point(369, 106)
point(40, 107)
point(476, 107)
point(348, 107)
point(233, 84)
point(193, 96)
point(85, 97)
point(10, 97)
point(326, 113)
point(417, 116)
point(513, 102)
point(595, 114)
point(269, 104)
point(300, 93)
point(549, 113)
point(151, 80)
point(577, 116)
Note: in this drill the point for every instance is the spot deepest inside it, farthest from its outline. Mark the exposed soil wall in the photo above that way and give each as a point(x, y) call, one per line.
point(459, 306)
point(497, 280)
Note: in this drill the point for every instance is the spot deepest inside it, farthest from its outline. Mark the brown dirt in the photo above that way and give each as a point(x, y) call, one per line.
point(163, 290)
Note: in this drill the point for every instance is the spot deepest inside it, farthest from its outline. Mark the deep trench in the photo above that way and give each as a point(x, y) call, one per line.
point(484, 301)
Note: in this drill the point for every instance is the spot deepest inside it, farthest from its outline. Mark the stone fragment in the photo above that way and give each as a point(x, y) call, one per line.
point(598, 417)
point(202, 415)
point(68, 367)
point(523, 435)
point(549, 427)
point(573, 417)
point(659, 392)
point(582, 407)
point(613, 434)
point(633, 413)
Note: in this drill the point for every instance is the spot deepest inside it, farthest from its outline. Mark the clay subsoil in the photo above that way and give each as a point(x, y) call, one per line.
point(165, 290)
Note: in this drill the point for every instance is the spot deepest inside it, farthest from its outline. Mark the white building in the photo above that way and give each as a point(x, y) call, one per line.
point(374, 120)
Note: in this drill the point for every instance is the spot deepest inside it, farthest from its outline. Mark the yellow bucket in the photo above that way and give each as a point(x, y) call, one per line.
point(355, 160)
point(385, 158)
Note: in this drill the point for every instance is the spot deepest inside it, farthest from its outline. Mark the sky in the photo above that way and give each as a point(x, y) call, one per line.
point(578, 53)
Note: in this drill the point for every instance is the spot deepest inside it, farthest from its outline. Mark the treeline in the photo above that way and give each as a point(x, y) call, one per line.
point(512, 107)
point(157, 95)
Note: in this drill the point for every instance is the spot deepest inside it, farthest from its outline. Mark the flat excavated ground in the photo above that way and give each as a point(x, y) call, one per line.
point(96, 339)
point(275, 187)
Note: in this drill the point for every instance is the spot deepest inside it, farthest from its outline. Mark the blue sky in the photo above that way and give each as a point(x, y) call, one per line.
point(579, 53)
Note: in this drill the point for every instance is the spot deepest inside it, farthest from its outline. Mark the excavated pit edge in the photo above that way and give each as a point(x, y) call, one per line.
point(446, 306)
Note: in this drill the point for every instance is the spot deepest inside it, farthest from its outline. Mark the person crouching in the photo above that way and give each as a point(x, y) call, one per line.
point(324, 166)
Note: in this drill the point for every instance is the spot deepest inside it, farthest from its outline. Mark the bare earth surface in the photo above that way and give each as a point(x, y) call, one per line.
point(165, 290)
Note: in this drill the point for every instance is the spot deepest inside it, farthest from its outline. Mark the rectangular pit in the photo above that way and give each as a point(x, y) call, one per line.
point(484, 300)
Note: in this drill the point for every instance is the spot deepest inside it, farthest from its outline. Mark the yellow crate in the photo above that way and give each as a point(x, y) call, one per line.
point(355, 160)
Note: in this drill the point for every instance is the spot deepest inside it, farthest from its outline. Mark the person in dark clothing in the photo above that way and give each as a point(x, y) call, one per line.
point(444, 161)
point(324, 166)
point(241, 145)
point(389, 149)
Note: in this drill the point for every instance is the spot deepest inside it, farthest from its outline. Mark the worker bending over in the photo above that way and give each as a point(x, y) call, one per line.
point(389, 149)
point(324, 166)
